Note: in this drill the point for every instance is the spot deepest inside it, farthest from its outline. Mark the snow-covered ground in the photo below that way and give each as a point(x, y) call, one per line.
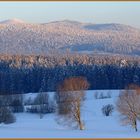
point(29, 125)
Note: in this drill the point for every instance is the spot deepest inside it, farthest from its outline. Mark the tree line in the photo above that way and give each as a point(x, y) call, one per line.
point(23, 74)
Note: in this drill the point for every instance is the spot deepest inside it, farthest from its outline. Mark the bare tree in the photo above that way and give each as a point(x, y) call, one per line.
point(134, 87)
point(42, 103)
point(70, 95)
point(128, 105)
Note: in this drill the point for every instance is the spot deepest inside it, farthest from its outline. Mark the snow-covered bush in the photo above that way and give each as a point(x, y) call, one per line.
point(6, 116)
point(17, 104)
point(107, 109)
point(29, 101)
point(102, 96)
point(7, 106)
point(44, 109)
point(42, 104)
point(108, 95)
point(96, 94)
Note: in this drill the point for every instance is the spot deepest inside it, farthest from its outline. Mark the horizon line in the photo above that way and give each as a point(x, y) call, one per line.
point(18, 20)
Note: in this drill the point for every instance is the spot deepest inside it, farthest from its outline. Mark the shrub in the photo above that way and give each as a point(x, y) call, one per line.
point(96, 95)
point(6, 116)
point(107, 109)
point(102, 96)
point(17, 106)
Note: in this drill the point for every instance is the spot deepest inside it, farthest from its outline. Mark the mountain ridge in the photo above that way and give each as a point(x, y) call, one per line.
point(12, 21)
point(19, 37)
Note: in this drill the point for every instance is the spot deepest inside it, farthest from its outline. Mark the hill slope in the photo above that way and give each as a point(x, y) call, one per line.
point(18, 37)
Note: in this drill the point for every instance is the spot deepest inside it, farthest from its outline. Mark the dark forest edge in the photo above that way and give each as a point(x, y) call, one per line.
point(34, 73)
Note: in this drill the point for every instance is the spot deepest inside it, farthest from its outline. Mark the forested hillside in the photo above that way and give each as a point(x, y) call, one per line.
point(17, 37)
point(22, 74)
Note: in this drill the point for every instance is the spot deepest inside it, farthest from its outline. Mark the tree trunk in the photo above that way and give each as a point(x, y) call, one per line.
point(135, 125)
point(81, 125)
point(40, 113)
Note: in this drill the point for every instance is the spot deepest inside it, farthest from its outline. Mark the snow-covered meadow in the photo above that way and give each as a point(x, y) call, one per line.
point(97, 125)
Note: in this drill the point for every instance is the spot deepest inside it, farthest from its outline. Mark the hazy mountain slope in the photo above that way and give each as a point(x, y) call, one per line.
point(18, 37)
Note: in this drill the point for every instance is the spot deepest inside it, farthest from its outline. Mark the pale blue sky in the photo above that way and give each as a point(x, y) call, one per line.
point(95, 12)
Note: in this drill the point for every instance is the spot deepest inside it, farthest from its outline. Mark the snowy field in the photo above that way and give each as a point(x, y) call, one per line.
point(97, 125)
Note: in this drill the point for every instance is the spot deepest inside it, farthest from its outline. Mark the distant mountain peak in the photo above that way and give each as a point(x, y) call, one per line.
point(12, 21)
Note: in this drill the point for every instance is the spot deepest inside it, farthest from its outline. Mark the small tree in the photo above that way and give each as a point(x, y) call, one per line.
point(128, 105)
point(107, 109)
point(70, 95)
